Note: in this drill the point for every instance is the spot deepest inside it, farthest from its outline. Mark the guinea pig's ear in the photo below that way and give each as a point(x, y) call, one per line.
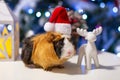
point(57, 37)
point(53, 36)
point(50, 36)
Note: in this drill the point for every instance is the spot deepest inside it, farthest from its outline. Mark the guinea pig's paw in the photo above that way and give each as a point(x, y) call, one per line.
point(48, 69)
point(59, 66)
point(31, 66)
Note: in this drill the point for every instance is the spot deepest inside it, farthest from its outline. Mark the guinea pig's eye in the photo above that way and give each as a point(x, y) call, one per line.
point(61, 42)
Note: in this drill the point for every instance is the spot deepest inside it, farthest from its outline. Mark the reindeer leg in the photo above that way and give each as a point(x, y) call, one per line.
point(85, 60)
point(80, 56)
point(88, 62)
point(96, 62)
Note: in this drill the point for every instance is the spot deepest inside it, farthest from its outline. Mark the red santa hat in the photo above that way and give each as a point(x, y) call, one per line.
point(59, 22)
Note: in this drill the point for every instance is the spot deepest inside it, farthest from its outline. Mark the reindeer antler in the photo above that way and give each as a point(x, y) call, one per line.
point(97, 31)
point(82, 32)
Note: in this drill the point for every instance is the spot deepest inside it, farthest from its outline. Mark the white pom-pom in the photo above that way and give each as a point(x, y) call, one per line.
point(49, 26)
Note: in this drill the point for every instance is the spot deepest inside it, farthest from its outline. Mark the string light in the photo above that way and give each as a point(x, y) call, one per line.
point(38, 14)
point(102, 5)
point(84, 16)
point(119, 28)
point(9, 27)
point(115, 9)
point(103, 50)
point(30, 11)
point(80, 10)
point(47, 14)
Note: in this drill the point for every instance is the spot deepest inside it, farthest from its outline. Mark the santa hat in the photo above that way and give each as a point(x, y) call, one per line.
point(59, 22)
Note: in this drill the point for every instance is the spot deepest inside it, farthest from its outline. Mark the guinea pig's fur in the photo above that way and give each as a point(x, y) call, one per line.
point(27, 50)
point(47, 50)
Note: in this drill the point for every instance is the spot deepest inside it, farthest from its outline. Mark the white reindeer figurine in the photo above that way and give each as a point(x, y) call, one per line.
point(89, 49)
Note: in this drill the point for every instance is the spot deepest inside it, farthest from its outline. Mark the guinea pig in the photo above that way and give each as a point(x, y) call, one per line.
point(47, 50)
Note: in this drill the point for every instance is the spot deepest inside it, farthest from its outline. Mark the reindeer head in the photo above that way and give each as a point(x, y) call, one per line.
point(90, 36)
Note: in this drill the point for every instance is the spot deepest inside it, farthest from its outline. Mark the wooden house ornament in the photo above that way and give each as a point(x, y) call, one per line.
point(9, 33)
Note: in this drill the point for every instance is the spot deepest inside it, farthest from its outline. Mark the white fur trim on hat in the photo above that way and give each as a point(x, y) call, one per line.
point(66, 36)
point(63, 28)
point(49, 26)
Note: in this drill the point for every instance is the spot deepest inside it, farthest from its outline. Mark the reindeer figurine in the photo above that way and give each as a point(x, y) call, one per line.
point(89, 49)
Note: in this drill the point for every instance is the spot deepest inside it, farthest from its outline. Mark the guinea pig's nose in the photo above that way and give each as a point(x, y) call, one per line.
point(69, 52)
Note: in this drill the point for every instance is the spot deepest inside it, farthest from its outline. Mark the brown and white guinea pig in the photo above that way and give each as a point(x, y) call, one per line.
point(47, 50)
